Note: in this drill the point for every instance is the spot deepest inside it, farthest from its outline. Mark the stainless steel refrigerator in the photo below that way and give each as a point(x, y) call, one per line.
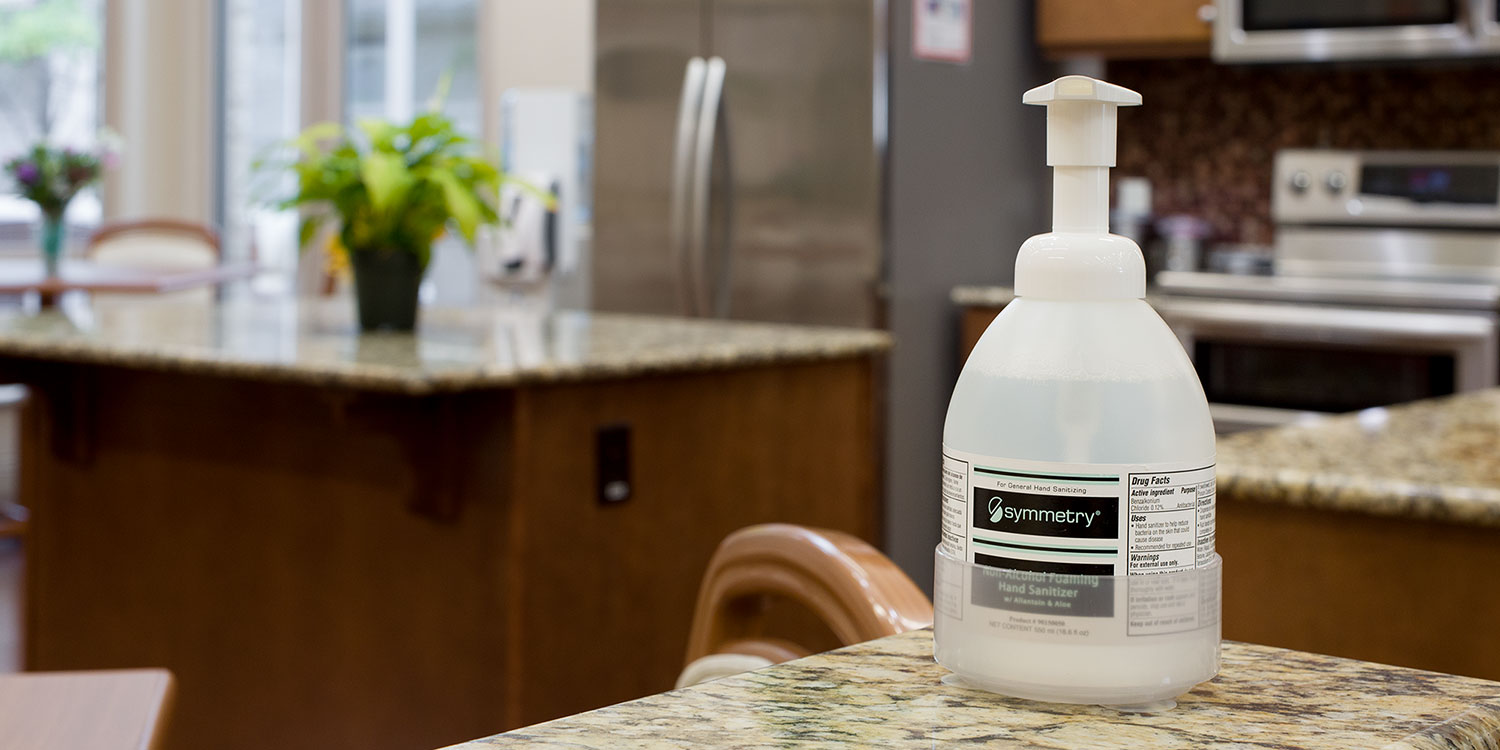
point(839, 178)
point(738, 159)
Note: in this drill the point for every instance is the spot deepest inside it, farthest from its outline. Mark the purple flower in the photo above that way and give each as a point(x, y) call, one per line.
point(27, 173)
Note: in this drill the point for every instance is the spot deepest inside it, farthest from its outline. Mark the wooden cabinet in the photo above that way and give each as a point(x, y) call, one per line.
point(1125, 28)
point(1413, 592)
point(972, 325)
point(328, 567)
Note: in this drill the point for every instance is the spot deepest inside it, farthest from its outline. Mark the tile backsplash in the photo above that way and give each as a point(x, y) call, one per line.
point(1207, 133)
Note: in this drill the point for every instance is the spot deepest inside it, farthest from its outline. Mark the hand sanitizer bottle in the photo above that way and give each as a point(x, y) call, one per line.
point(1077, 557)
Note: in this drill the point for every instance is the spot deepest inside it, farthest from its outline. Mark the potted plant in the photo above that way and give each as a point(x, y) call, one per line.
point(393, 190)
point(50, 177)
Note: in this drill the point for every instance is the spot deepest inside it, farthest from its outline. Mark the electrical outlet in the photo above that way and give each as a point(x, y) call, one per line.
point(612, 464)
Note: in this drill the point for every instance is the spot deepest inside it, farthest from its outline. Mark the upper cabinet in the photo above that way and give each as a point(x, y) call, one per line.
point(1125, 28)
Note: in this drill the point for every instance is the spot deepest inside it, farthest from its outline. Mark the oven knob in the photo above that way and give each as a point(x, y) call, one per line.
point(1300, 182)
point(1337, 181)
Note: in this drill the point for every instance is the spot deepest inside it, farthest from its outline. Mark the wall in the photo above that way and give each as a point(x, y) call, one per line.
point(967, 185)
point(532, 43)
point(158, 78)
point(1208, 133)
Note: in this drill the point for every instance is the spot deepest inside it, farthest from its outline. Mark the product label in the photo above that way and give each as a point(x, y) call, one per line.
point(1050, 539)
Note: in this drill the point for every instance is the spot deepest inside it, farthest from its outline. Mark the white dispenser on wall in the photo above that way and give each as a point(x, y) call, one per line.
point(1077, 558)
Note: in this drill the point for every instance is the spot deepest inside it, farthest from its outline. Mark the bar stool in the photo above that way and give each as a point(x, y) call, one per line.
point(854, 589)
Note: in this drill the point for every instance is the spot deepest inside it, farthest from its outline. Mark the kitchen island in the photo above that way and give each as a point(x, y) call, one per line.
point(395, 541)
point(890, 694)
point(1371, 535)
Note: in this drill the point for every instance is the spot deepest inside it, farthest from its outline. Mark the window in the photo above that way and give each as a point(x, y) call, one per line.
point(49, 90)
point(399, 51)
point(261, 75)
point(395, 54)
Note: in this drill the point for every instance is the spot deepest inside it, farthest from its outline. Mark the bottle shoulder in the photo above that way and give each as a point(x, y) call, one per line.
point(1098, 381)
point(1110, 340)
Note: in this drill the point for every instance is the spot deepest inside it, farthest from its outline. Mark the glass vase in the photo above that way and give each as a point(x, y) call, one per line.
point(52, 243)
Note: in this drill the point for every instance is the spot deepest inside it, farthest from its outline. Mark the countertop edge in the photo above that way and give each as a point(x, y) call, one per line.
point(1472, 724)
point(979, 295)
point(374, 377)
point(1477, 728)
point(1389, 498)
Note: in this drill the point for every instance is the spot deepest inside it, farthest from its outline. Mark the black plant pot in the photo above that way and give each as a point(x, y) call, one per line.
point(385, 288)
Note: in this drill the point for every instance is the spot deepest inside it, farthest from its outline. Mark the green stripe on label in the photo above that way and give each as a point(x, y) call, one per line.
point(1057, 478)
point(1051, 549)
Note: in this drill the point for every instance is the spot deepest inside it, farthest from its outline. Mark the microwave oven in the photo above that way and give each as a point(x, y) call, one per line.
point(1324, 30)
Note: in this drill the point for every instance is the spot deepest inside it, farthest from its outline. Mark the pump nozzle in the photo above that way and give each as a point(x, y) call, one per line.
point(1081, 146)
point(1081, 119)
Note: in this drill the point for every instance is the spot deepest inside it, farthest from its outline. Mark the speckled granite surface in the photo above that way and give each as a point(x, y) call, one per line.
point(455, 349)
point(981, 296)
point(1437, 459)
point(890, 694)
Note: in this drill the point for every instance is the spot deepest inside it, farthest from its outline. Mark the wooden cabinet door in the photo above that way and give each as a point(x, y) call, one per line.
point(605, 586)
point(1125, 28)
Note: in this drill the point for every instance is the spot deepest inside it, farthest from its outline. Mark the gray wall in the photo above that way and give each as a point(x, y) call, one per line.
point(967, 184)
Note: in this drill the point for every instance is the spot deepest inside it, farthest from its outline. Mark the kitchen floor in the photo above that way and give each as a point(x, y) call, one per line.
point(10, 606)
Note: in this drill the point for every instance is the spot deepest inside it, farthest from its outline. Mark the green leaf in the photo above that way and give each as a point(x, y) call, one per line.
point(429, 124)
point(380, 132)
point(307, 229)
point(307, 140)
point(386, 178)
point(548, 198)
point(440, 92)
point(462, 204)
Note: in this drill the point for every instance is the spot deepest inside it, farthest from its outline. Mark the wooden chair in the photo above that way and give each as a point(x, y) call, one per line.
point(12, 514)
point(113, 710)
point(853, 588)
point(157, 244)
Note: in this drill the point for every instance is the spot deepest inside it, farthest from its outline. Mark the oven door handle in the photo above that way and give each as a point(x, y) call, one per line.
point(1230, 418)
point(1470, 338)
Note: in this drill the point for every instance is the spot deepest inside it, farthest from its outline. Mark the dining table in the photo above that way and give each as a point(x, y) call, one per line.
point(21, 275)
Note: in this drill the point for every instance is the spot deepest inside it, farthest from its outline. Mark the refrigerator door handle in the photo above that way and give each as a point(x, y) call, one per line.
point(711, 296)
point(679, 236)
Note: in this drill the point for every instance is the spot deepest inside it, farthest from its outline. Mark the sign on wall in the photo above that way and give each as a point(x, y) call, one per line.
point(941, 30)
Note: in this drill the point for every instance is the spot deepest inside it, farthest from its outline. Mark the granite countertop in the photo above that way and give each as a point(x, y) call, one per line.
point(890, 694)
point(316, 341)
point(1434, 459)
point(982, 296)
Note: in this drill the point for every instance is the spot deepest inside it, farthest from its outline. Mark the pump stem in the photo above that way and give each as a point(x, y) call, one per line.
point(1080, 199)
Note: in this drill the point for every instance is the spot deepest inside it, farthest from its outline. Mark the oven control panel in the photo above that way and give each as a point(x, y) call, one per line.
point(1387, 188)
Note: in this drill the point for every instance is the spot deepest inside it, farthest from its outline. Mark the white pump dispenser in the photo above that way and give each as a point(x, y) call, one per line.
point(1077, 560)
point(1080, 259)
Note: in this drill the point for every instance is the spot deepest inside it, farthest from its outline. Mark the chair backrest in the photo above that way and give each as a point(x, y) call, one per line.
point(108, 710)
point(853, 588)
point(155, 244)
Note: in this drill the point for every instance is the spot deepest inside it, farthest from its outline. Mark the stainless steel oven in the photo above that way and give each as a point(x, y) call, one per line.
point(1385, 288)
point(1316, 30)
point(1271, 363)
